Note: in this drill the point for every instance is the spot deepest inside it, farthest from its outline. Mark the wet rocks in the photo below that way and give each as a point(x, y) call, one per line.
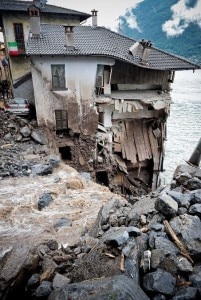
point(166, 204)
point(44, 200)
point(128, 244)
point(23, 146)
point(117, 287)
point(159, 281)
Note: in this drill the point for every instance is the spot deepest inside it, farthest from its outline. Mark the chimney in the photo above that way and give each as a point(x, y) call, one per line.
point(69, 37)
point(146, 50)
point(34, 14)
point(94, 18)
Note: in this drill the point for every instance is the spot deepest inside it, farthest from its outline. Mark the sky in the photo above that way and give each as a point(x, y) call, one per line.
point(110, 10)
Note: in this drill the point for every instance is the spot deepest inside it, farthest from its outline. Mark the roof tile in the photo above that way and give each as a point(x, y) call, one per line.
point(100, 41)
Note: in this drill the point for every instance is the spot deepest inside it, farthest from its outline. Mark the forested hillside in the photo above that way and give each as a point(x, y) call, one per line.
point(151, 15)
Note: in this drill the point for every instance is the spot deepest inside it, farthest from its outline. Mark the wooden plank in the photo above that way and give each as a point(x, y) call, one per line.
point(131, 142)
point(146, 140)
point(139, 140)
point(125, 107)
point(123, 140)
point(154, 148)
point(116, 105)
point(124, 143)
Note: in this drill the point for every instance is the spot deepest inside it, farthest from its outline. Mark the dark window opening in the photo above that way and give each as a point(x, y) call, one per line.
point(65, 153)
point(61, 117)
point(58, 76)
point(150, 107)
point(114, 87)
point(19, 37)
point(102, 178)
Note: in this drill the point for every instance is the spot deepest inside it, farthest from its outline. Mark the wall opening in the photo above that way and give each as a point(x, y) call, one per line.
point(65, 153)
point(102, 178)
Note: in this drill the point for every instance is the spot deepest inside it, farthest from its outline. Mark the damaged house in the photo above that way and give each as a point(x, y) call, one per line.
point(104, 99)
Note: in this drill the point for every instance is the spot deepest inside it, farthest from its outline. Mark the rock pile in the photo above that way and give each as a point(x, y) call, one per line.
point(23, 148)
point(148, 250)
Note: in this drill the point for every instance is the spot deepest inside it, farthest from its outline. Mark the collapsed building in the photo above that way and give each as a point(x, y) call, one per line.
point(104, 99)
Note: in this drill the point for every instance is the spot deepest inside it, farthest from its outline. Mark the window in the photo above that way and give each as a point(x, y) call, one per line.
point(58, 77)
point(19, 37)
point(61, 120)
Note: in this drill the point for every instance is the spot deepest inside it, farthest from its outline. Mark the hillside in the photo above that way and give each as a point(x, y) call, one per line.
point(151, 15)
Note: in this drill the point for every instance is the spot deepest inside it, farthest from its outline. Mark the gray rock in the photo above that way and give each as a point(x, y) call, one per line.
point(195, 209)
point(196, 196)
point(129, 246)
point(33, 281)
point(116, 238)
point(188, 228)
point(182, 199)
point(184, 265)
point(165, 246)
point(63, 222)
point(44, 289)
point(18, 137)
point(153, 235)
point(157, 227)
point(198, 173)
point(38, 137)
point(159, 281)
point(186, 293)
point(116, 287)
point(194, 183)
point(184, 169)
point(133, 231)
point(131, 269)
point(60, 281)
point(196, 280)
point(133, 217)
point(25, 131)
point(41, 169)
point(54, 160)
point(159, 297)
point(166, 205)
point(183, 178)
point(44, 200)
point(13, 271)
point(8, 137)
point(182, 211)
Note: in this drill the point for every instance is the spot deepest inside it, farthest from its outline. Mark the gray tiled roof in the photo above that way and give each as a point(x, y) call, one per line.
point(99, 41)
point(22, 6)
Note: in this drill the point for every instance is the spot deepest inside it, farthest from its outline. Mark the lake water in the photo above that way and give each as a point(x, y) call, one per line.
point(184, 122)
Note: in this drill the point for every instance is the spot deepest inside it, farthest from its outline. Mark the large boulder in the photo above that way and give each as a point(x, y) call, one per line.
point(166, 205)
point(159, 281)
point(188, 228)
point(117, 287)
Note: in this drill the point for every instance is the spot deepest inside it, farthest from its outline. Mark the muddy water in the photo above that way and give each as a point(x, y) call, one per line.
point(21, 221)
point(184, 123)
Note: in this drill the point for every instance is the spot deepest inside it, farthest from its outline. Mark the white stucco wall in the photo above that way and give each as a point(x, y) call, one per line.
point(80, 75)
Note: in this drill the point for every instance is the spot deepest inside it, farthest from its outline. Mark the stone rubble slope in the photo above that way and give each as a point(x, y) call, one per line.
point(65, 237)
point(128, 244)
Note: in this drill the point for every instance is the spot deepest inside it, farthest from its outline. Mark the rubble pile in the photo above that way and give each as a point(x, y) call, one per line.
point(23, 148)
point(147, 250)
